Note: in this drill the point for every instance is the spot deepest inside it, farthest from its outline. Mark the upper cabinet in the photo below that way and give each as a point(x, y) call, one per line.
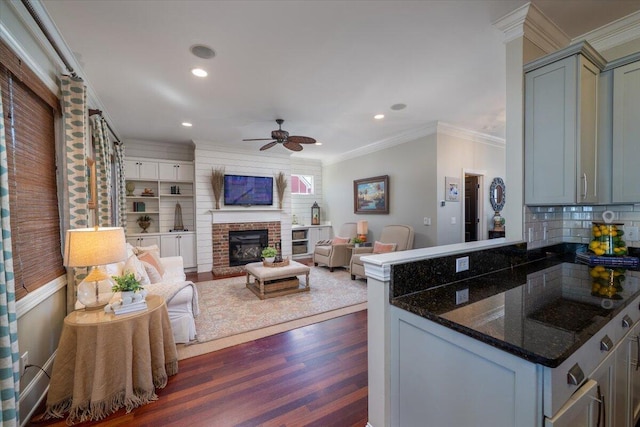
point(141, 169)
point(626, 131)
point(561, 128)
point(176, 171)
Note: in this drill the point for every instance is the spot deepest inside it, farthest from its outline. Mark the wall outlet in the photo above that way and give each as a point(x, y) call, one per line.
point(453, 220)
point(631, 234)
point(462, 296)
point(427, 221)
point(462, 264)
point(24, 361)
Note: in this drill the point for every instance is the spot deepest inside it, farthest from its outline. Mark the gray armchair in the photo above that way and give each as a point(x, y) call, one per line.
point(335, 254)
point(400, 235)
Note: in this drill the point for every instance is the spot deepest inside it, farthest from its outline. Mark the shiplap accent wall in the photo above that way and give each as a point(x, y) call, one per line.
point(301, 203)
point(209, 156)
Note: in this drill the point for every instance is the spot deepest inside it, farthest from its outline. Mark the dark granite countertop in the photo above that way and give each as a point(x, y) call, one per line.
point(541, 311)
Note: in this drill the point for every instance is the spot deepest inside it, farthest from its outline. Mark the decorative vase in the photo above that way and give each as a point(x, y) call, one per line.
point(130, 186)
point(144, 225)
point(498, 222)
point(127, 297)
point(270, 259)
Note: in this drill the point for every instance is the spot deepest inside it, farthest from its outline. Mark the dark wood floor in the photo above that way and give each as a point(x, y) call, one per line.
point(311, 376)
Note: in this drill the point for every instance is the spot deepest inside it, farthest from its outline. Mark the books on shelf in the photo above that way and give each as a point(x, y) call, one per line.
point(139, 207)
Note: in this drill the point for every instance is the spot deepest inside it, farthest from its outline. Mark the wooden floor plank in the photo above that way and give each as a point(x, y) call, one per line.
point(311, 376)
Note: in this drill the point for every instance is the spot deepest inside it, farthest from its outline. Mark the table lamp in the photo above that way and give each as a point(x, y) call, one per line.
point(95, 247)
point(362, 228)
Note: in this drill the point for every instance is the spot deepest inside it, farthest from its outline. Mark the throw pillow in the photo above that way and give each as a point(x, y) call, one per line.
point(152, 272)
point(152, 248)
point(134, 265)
point(381, 248)
point(151, 258)
point(340, 240)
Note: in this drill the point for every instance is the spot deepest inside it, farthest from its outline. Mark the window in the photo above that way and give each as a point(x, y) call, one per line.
point(301, 184)
point(30, 112)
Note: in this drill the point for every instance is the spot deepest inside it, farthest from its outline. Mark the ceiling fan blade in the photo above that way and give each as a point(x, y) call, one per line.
point(269, 145)
point(301, 139)
point(293, 146)
point(257, 139)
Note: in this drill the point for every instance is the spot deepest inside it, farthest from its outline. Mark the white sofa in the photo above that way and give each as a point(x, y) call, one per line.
point(181, 296)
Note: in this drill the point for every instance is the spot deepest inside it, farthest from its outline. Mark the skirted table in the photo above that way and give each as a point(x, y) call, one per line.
point(106, 362)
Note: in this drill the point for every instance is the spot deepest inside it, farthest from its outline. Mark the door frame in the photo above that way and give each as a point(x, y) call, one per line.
point(482, 224)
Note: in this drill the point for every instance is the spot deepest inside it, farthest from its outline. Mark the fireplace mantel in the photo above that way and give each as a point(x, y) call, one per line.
point(220, 216)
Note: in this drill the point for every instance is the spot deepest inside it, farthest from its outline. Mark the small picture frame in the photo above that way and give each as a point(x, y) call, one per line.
point(91, 184)
point(371, 195)
point(451, 189)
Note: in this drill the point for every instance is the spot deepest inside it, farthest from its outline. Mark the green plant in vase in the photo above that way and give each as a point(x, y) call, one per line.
point(357, 241)
point(269, 254)
point(126, 283)
point(144, 222)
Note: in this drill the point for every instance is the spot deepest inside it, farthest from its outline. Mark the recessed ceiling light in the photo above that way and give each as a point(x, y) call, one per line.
point(199, 72)
point(318, 143)
point(378, 116)
point(187, 124)
point(398, 107)
point(202, 51)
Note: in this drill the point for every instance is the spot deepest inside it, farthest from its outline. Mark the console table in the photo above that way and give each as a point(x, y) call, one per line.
point(106, 362)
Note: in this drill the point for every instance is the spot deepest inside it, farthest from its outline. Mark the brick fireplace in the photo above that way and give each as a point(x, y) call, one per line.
point(220, 237)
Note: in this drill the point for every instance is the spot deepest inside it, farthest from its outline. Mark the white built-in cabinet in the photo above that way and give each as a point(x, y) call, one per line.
point(304, 238)
point(561, 127)
point(626, 133)
point(171, 183)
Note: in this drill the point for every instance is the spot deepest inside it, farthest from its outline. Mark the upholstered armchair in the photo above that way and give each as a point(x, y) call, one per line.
point(393, 238)
point(335, 252)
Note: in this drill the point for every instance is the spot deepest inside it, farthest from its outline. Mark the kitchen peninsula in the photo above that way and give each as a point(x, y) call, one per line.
point(519, 341)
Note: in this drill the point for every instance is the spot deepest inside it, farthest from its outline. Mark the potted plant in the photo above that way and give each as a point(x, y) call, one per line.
point(357, 241)
point(128, 286)
point(269, 254)
point(144, 221)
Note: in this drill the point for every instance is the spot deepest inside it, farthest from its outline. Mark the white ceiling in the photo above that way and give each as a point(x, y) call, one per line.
point(326, 67)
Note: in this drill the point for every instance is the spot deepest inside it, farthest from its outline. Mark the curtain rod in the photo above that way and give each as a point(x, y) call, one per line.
point(99, 112)
point(74, 75)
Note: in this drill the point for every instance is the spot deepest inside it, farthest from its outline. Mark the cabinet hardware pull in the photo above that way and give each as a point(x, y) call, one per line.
point(638, 349)
point(626, 321)
point(606, 344)
point(584, 185)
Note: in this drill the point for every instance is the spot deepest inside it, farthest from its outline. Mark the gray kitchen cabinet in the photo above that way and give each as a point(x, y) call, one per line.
point(626, 128)
point(561, 127)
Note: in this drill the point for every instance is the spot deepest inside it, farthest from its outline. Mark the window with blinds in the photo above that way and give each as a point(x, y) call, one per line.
point(30, 111)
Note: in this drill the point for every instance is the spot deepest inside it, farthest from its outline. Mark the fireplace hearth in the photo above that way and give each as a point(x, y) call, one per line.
point(246, 246)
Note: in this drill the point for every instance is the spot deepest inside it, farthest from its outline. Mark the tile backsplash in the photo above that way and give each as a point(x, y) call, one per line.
point(549, 225)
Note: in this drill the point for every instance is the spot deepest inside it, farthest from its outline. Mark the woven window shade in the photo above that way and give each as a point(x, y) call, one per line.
point(33, 195)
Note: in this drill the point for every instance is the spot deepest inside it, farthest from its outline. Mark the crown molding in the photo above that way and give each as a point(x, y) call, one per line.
point(470, 135)
point(614, 34)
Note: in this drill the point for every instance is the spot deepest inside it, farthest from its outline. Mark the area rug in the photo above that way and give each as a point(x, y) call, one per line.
point(229, 310)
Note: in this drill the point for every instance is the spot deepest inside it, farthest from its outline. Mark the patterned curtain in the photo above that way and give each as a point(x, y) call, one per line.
point(9, 352)
point(121, 191)
point(102, 150)
point(75, 208)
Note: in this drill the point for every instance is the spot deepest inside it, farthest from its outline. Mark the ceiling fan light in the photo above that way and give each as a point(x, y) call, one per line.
point(318, 143)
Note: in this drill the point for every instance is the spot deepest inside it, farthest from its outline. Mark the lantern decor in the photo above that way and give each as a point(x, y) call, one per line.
point(315, 214)
point(362, 229)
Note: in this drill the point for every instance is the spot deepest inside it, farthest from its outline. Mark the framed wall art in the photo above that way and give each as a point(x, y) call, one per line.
point(91, 184)
point(451, 189)
point(371, 195)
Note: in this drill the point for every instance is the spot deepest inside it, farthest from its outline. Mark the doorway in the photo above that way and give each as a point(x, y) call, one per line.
point(471, 208)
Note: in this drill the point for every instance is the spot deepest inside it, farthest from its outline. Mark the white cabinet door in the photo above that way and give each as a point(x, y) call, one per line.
point(176, 171)
point(580, 411)
point(561, 105)
point(144, 241)
point(626, 128)
point(141, 169)
point(316, 234)
point(628, 380)
point(179, 245)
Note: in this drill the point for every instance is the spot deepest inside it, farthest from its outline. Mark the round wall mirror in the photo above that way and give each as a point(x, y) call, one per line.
point(497, 194)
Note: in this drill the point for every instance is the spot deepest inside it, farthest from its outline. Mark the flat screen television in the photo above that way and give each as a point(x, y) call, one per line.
point(248, 190)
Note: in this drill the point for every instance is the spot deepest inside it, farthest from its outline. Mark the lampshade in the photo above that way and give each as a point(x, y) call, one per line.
point(362, 227)
point(95, 247)
point(86, 247)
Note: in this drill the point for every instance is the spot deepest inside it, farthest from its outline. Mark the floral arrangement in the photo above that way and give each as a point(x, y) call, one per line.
point(126, 283)
point(357, 240)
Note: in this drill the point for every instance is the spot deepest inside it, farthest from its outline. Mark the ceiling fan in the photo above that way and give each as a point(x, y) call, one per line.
point(282, 137)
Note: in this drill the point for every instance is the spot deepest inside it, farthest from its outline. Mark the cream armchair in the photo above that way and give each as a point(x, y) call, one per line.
point(334, 254)
point(392, 238)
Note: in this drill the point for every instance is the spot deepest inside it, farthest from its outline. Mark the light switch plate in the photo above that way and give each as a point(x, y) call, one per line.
point(462, 296)
point(631, 234)
point(462, 264)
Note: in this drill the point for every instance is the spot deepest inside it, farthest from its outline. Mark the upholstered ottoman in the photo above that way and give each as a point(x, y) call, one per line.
point(276, 281)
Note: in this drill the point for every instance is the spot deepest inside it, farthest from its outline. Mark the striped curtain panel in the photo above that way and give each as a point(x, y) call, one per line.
point(9, 352)
point(121, 191)
point(74, 107)
point(102, 150)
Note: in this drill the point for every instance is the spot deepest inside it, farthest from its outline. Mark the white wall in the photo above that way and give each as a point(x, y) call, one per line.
point(209, 156)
